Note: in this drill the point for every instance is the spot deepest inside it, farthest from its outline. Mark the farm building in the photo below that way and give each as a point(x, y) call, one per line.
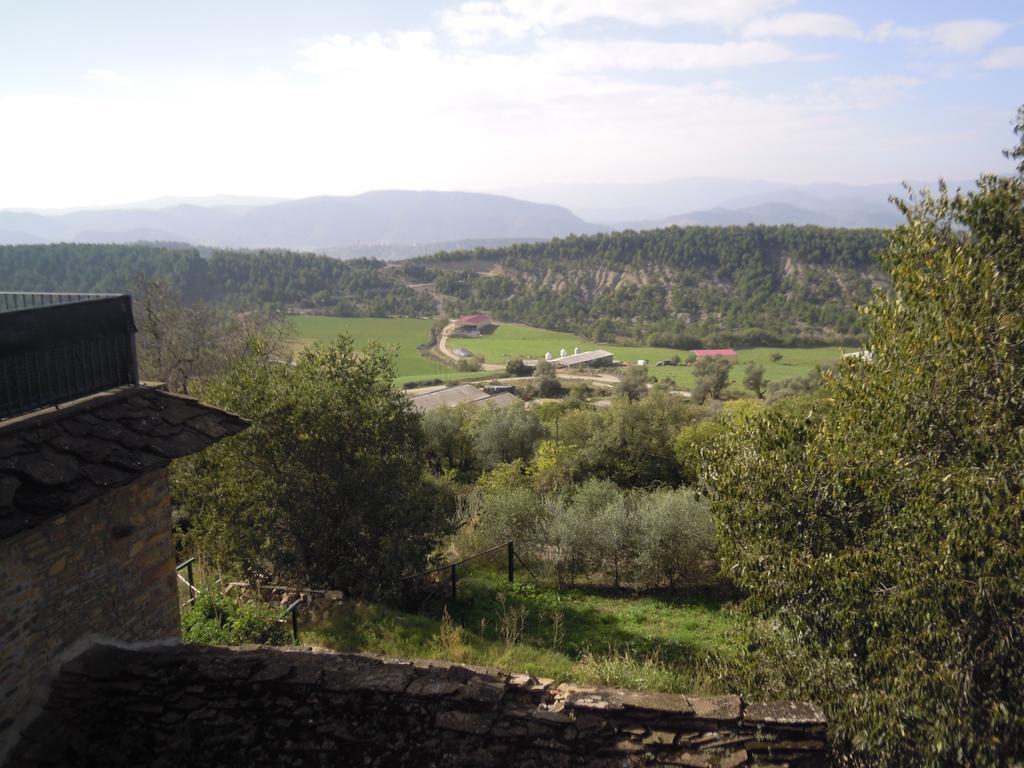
point(473, 325)
point(715, 353)
point(465, 393)
point(596, 358)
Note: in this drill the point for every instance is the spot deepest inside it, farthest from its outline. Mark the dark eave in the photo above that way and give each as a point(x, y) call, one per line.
point(61, 458)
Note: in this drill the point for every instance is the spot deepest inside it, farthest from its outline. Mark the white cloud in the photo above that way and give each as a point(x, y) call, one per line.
point(1005, 58)
point(641, 55)
point(108, 76)
point(473, 23)
point(804, 25)
point(958, 37)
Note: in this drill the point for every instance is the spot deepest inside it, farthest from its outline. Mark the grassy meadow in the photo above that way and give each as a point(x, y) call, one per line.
point(574, 635)
point(509, 341)
point(405, 334)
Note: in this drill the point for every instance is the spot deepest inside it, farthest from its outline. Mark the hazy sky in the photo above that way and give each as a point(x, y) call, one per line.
point(104, 102)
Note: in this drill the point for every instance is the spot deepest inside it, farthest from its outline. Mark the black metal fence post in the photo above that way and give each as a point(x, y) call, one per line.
point(511, 564)
point(191, 584)
point(453, 582)
point(295, 625)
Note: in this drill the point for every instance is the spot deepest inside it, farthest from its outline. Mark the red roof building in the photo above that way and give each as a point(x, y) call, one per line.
point(474, 320)
point(715, 352)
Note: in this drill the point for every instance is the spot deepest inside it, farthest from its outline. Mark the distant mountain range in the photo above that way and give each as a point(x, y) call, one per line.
point(716, 201)
point(400, 224)
point(324, 224)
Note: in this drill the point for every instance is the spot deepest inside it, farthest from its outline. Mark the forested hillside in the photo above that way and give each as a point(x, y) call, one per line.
point(678, 287)
point(673, 287)
point(242, 278)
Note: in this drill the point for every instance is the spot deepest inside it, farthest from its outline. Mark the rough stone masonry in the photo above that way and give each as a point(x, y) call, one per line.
point(85, 530)
point(203, 706)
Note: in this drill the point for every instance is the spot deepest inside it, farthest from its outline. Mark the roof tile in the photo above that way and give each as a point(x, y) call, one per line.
point(59, 459)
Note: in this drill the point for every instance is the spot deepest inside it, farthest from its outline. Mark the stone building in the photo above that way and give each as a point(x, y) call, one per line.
point(85, 529)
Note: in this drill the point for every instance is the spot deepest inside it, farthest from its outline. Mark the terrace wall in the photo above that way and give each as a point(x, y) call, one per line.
point(195, 705)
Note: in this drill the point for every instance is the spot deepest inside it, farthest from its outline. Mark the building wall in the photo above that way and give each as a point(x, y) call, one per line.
point(105, 568)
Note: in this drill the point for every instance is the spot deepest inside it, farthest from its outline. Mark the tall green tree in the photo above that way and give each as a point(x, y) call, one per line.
point(884, 528)
point(754, 379)
point(633, 382)
point(326, 488)
point(710, 376)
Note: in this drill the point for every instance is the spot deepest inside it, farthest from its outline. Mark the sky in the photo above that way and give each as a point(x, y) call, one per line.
point(105, 102)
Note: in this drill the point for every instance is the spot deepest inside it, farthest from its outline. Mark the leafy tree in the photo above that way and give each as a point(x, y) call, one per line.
point(468, 364)
point(754, 380)
point(326, 488)
point(516, 367)
point(711, 375)
point(633, 382)
point(678, 543)
point(884, 529)
point(546, 380)
point(447, 441)
point(1017, 153)
point(504, 434)
point(578, 528)
point(178, 343)
point(503, 506)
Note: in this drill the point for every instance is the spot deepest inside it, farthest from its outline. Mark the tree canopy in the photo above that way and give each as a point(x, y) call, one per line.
point(326, 488)
point(883, 527)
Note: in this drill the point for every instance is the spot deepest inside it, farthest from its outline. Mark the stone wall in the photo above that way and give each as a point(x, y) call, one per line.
point(105, 568)
point(203, 706)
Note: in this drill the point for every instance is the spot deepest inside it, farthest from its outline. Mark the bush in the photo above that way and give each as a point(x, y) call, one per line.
point(214, 619)
point(678, 544)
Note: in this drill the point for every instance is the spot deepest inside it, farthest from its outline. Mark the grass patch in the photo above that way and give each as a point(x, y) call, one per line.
point(509, 341)
point(405, 334)
point(650, 642)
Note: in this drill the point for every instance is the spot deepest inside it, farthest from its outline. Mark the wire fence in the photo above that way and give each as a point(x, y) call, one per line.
point(435, 586)
point(441, 583)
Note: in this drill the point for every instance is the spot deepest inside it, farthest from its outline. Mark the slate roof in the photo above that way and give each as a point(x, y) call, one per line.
point(60, 459)
point(452, 396)
point(464, 393)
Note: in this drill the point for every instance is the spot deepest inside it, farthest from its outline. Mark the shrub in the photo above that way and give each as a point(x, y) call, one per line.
point(215, 619)
point(678, 543)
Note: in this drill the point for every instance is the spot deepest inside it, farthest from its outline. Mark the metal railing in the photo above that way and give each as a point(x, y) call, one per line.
point(58, 347)
point(12, 301)
point(192, 589)
point(291, 610)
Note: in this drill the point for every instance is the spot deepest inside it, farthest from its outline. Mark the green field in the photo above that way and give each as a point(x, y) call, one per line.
point(644, 642)
point(405, 334)
point(509, 341)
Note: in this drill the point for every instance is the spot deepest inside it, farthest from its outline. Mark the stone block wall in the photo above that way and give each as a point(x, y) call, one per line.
point(195, 705)
point(105, 568)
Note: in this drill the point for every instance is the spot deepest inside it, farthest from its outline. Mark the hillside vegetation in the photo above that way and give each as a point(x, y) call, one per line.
point(242, 278)
point(679, 288)
point(674, 287)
